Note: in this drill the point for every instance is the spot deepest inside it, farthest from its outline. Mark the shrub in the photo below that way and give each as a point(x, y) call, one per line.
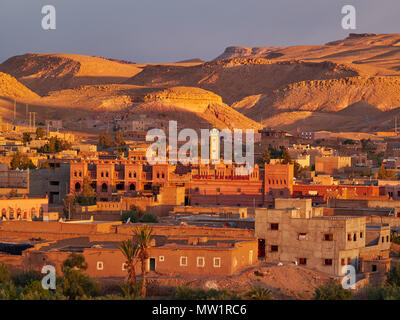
point(259, 293)
point(26, 277)
point(4, 274)
point(332, 291)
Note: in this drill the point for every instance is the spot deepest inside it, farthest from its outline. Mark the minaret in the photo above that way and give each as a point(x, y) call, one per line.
point(214, 146)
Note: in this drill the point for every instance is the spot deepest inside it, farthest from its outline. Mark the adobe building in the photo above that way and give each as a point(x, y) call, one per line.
point(296, 232)
point(23, 208)
point(320, 193)
point(168, 256)
point(175, 250)
point(205, 185)
point(332, 165)
point(219, 185)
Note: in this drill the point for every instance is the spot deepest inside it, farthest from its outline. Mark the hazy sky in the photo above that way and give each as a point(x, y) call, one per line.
point(173, 30)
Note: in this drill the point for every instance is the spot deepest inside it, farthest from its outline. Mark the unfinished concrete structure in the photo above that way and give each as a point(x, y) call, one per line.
point(296, 232)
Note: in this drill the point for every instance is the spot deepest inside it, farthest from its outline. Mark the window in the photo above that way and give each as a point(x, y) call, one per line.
point(374, 268)
point(342, 262)
point(274, 226)
point(218, 190)
point(161, 258)
point(124, 266)
point(328, 262)
point(217, 262)
point(349, 236)
point(183, 262)
point(196, 189)
point(348, 260)
point(355, 237)
point(303, 261)
point(274, 248)
point(328, 237)
point(361, 235)
point(383, 239)
point(281, 193)
point(200, 262)
point(239, 190)
point(387, 238)
point(100, 265)
point(54, 183)
point(302, 236)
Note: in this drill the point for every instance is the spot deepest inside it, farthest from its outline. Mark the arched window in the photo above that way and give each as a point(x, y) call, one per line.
point(75, 174)
point(134, 174)
point(3, 212)
point(102, 174)
point(130, 174)
point(158, 175)
point(163, 175)
point(107, 174)
point(80, 173)
point(77, 187)
point(132, 187)
point(104, 187)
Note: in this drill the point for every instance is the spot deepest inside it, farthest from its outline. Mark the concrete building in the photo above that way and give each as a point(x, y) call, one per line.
point(52, 182)
point(296, 232)
point(13, 180)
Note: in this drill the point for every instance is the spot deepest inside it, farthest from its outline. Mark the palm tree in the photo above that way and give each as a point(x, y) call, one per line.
point(143, 237)
point(259, 293)
point(130, 250)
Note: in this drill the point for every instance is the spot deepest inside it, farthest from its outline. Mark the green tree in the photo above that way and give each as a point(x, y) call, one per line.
point(26, 277)
point(40, 133)
point(393, 276)
point(119, 138)
point(386, 174)
point(105, 140)
point(286, 158)
point(386, 292)
point(349, 142)
point(4, 274)
point(88, 194)
point(130, 250)
point(21, 161)
point(266, 158)
point(332, 291)
point(69, 208)
point(26, 137)
point(143, 237)
point(75, 284)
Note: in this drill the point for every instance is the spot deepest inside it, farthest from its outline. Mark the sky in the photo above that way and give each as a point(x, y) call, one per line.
point(174, 30)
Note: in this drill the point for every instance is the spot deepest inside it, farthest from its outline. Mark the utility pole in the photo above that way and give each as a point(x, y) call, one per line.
point(15, 108)
point(26, 110)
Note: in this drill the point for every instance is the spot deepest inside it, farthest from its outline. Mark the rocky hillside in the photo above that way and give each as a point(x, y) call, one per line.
point(235, 79)
point(43, 73)
point(12, 89)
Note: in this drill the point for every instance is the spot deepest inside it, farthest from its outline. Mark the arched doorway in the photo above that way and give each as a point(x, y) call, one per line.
point(77, 187)
point(132, 187)
point(104, 187)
